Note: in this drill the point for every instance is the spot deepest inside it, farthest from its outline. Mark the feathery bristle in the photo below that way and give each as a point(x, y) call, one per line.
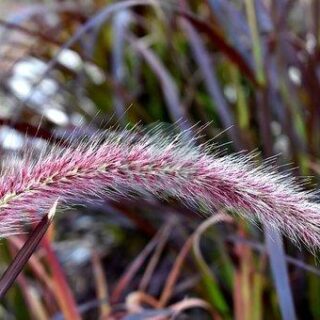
point(132, 162)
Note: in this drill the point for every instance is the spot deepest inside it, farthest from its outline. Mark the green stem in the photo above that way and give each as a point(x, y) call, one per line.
point(257, 51)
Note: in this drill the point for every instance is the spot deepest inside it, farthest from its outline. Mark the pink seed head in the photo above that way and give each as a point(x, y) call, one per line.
point(119, 163)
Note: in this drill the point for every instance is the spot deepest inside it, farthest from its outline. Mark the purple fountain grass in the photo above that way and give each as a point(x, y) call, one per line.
point(131, 163)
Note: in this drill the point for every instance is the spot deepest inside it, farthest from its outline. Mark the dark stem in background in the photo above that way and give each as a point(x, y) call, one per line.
point(120, 24)
point(273, 239)
point(210, 81)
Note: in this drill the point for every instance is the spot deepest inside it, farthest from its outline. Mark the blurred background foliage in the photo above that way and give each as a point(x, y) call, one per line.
point(246, 69)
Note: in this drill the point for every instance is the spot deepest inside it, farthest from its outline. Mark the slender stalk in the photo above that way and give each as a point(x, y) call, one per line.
point(64, 295)
point(257, 49)
point(25, 253)
point(273, 237)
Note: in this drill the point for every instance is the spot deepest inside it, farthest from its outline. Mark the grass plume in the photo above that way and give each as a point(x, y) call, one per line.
point(127, 163)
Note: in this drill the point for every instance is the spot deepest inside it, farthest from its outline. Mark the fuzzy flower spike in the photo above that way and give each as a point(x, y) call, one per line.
point(134, 163)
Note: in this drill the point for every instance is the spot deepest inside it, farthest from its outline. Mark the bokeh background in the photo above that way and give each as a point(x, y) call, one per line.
point(247, 71)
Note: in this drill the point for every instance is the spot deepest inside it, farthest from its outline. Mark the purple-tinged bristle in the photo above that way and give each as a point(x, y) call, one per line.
point(119, 164)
